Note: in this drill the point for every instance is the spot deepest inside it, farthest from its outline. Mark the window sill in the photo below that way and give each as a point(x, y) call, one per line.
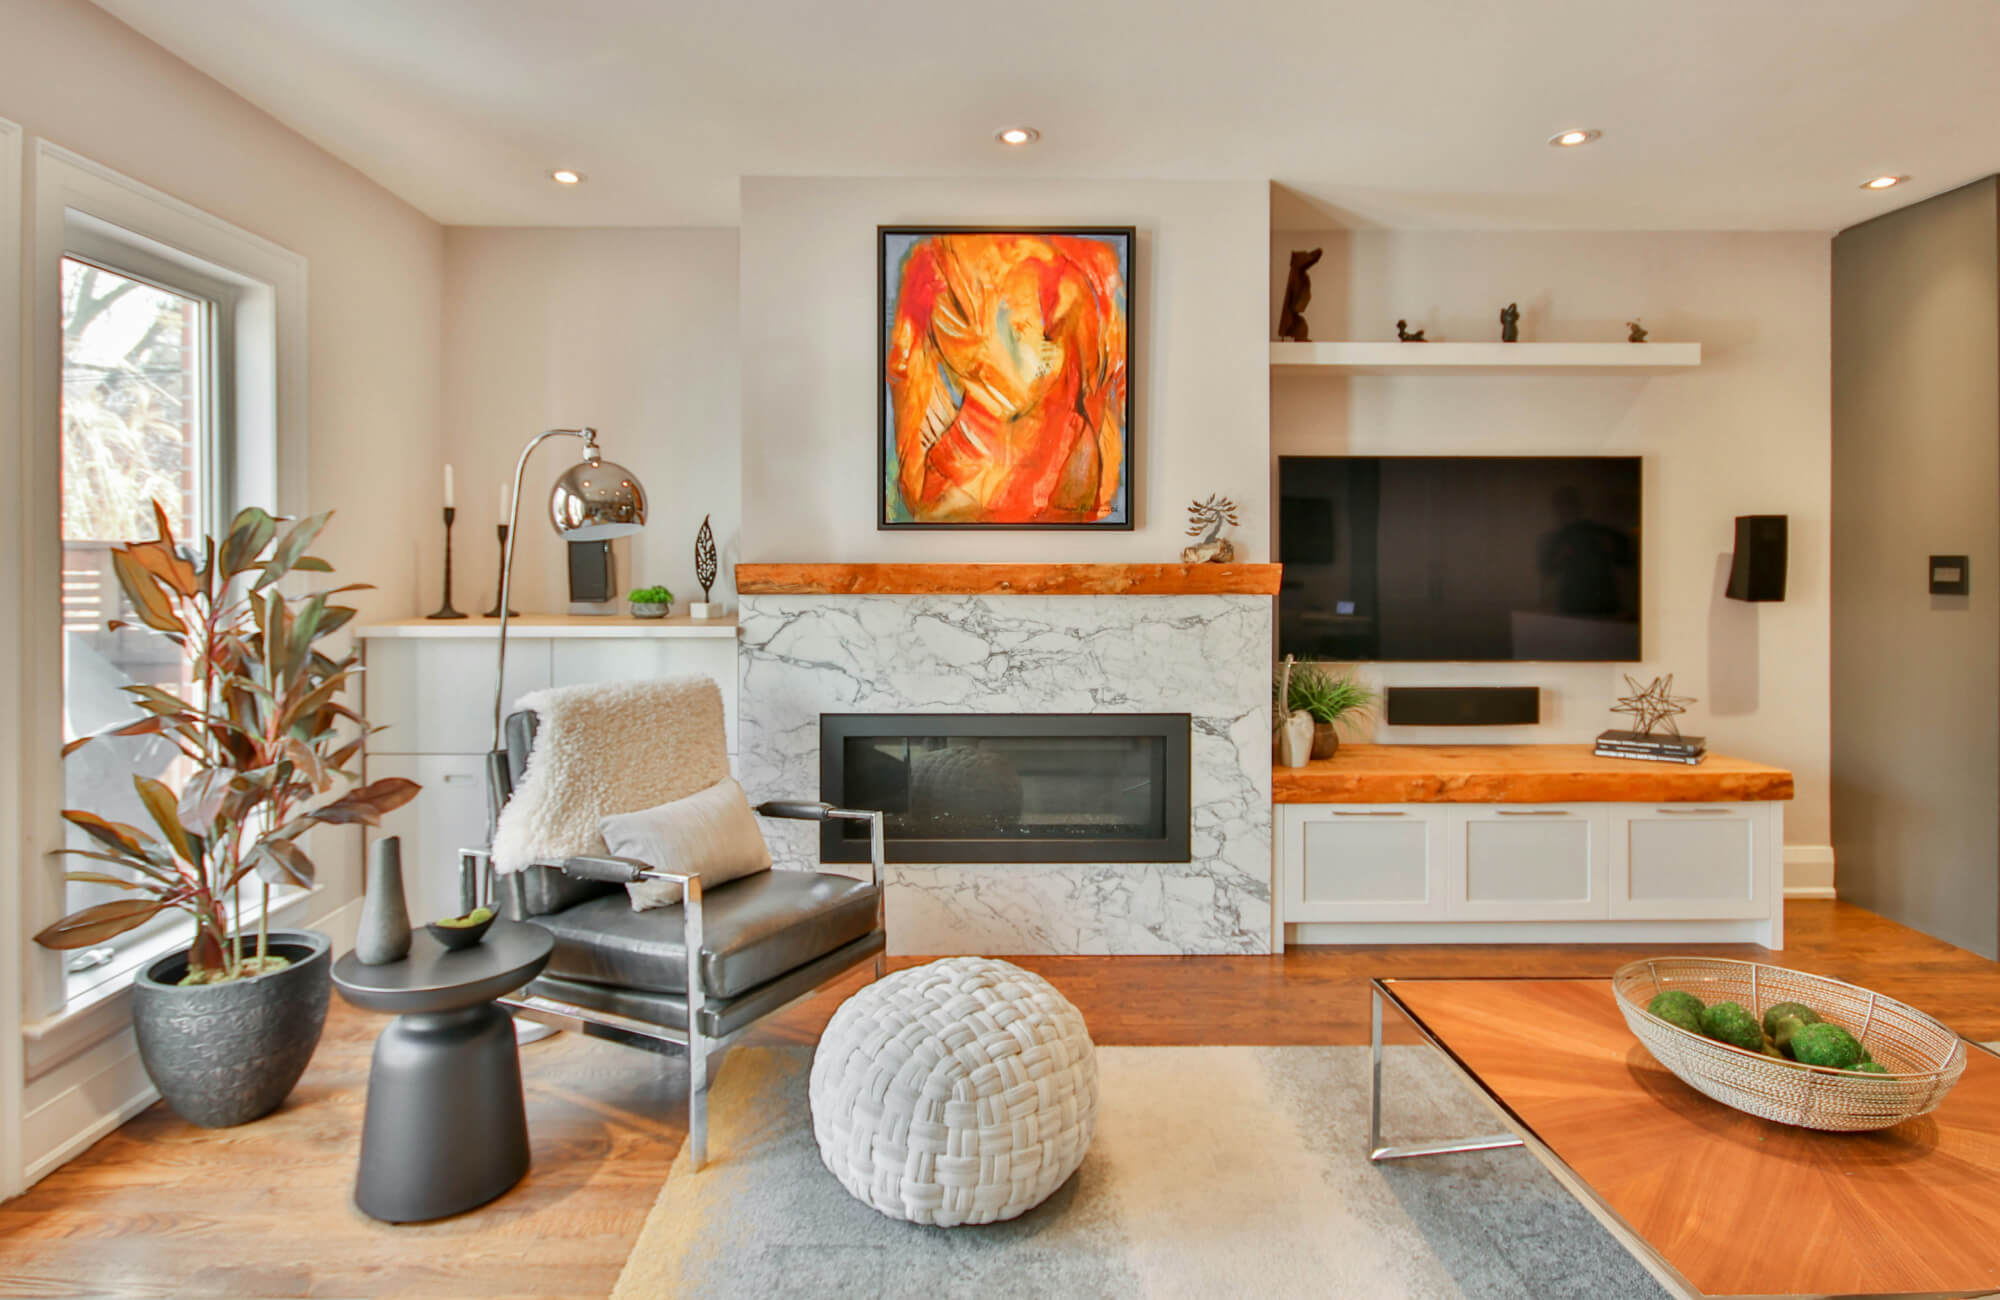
point(105, 1009)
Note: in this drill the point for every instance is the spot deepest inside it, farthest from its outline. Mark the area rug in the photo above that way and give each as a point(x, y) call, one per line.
point(1216, 1171)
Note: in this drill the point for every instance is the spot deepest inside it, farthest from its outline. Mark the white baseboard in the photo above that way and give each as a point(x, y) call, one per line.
point(1809, 871)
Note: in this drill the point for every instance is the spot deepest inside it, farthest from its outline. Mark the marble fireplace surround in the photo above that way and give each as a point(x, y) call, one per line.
point(1101, 638)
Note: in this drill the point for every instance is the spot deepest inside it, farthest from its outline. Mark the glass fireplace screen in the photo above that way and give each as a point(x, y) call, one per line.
point(1023, 787)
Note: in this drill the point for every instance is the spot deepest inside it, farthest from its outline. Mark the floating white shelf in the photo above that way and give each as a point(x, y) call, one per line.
point(1484, 358)
point(549, 626)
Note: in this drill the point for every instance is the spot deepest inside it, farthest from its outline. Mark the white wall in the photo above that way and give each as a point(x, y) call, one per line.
point(72, 75)
point(632, 332)
point(811, 375)
point(1746, 433)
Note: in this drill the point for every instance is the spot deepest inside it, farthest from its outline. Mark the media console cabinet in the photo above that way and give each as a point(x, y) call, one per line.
point(1528, 844)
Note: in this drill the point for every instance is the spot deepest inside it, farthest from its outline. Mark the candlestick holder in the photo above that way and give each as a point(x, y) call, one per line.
point(500, 580)
point(445, 610)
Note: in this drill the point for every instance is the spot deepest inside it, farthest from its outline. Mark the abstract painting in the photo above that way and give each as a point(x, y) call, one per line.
point(1006, 367)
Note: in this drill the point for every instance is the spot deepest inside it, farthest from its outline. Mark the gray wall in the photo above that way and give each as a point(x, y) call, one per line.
point(1916, 472)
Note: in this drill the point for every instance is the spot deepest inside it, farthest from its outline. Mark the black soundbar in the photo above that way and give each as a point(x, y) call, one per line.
point(1463, 706)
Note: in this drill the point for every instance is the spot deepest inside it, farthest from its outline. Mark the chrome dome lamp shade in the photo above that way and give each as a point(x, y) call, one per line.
point(595, 500)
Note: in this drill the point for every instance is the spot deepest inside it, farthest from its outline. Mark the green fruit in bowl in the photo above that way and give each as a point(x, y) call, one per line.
point(1827, 1045)
point(477, 916)
point(1868, 1067)
point(1778, 1011)
point(1678, 1008)
point(1729, 1022)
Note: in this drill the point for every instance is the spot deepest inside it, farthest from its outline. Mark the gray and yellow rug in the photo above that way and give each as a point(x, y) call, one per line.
point(1216, 1171)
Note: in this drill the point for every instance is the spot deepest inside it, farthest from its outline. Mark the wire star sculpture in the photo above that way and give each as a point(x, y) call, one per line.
point(1653, 706)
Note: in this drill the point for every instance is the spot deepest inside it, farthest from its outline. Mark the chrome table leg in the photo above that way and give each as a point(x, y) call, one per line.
point(1378, 1152)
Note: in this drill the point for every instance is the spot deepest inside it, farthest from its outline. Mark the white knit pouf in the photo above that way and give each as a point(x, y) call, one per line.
point(964, 1091)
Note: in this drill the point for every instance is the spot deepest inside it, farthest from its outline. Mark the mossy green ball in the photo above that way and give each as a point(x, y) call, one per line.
point(1787, 1011)
point(1729, 1022)
point(1827, 1045)
point(1869, 1067)
point(1678, 1008)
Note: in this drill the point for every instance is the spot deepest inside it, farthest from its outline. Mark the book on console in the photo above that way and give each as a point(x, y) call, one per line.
point(1644, 756)
point(1658, 742)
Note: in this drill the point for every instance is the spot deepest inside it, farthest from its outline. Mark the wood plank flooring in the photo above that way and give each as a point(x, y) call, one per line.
point(159, 1208)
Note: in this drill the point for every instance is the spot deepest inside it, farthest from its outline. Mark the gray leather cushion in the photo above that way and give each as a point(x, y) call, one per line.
point(753, 930)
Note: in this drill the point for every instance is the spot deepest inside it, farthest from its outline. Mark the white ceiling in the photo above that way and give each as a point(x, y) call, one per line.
point(1717, 114)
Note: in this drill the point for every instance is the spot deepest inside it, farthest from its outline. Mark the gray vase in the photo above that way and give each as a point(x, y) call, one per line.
point(384, 932)
point(224, 1054)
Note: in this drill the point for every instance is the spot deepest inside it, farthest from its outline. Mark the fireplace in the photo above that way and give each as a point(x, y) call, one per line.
point(1009, 787)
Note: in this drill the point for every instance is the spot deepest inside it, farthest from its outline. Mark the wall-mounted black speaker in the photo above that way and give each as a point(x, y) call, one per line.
point(1463, 706)
point(1758, 570)
point(592, 584)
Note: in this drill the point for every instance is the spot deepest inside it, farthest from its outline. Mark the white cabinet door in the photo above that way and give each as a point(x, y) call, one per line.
point(1363, 862)
point(573, 662)
point(1691, 861)
point(449, 815)
point(1527, 862)
point(435, 696)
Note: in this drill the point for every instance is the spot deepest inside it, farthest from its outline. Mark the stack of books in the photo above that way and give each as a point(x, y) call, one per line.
point(1657, 748)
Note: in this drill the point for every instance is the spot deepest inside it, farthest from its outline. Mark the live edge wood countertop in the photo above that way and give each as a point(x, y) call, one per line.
point(1520, 774)
point(1007, 579)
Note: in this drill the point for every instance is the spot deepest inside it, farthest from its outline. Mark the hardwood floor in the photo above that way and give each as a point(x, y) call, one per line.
point(163, 1209)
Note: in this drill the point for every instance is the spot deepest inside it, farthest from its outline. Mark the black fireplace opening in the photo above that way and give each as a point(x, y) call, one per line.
point(1008, 787)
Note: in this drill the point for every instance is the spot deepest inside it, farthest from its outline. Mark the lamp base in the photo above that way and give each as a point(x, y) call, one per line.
point(594, 608)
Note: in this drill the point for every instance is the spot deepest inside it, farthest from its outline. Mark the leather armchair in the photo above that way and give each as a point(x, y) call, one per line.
point(692, 977)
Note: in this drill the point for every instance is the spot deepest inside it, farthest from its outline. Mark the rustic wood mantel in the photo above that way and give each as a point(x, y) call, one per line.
point(1007, 579)
point(1520, 774)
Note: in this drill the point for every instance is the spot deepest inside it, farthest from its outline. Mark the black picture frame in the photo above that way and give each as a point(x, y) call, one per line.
point(884, 323)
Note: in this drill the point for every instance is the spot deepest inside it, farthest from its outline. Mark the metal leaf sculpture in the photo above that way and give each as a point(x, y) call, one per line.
point(261, 726)
point(704, 558)
point(1206, 518)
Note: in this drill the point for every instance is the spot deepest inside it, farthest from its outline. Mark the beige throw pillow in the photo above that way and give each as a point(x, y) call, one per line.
point(712, 834)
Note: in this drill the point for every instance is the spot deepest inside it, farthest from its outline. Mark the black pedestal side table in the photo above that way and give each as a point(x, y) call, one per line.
point(445, 1129)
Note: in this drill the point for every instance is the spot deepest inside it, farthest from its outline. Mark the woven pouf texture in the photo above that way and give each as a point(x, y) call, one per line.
point(964, 1091)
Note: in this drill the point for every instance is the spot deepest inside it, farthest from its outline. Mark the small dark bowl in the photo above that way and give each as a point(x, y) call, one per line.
point(461, 936)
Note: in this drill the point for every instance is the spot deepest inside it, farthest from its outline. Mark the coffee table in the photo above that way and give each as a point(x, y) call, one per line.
point(445, 1128)
point(1710, 1200)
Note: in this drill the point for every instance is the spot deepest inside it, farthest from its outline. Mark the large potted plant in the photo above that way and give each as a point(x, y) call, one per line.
point(226, 1026)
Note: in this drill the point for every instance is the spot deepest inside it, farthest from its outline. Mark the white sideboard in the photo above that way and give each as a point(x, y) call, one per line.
point(1460, 857)
point(429, 685)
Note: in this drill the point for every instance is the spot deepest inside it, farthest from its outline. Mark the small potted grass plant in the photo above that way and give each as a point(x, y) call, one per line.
point(1334, 699)
point(650, 602)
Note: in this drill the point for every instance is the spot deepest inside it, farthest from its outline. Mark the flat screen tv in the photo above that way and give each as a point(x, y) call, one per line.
point(1429, 558)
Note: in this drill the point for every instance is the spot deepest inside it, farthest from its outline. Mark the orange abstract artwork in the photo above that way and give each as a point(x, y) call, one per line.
point(1006, 359)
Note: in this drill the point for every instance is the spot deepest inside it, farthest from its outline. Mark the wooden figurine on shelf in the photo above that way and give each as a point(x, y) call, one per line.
point(1510, 323)
point(1637, 334)
point(1405, 335)
point(1208, 517)
point(1298, 292)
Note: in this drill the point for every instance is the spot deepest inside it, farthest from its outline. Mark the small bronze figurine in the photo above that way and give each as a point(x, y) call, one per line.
point(1638, 334)
point(1205, 520)
point(1298, 292)
point(1405, 335)
point(1510, 323)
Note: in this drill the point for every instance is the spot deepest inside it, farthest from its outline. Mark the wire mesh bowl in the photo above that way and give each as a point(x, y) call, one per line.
point(1924, 1059)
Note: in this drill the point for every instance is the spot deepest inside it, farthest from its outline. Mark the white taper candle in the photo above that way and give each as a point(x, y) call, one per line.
point(506, 498)
point(448, 502)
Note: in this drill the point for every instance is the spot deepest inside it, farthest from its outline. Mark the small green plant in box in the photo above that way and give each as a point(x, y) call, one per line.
point(1334, 699)
point(650, 602)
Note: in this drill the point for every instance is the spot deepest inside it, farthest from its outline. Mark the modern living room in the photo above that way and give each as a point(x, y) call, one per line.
point(909, 650)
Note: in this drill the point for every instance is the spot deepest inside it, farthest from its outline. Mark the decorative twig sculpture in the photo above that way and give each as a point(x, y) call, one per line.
point(1510, 323)
point(1653, 706)
point(1205, 520)
point(1298, 292)
point(704, 570)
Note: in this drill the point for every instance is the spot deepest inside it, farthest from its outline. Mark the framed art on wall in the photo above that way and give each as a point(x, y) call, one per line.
point(1006, 356)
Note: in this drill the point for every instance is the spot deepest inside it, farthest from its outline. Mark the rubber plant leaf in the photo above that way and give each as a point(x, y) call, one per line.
point(93, 925)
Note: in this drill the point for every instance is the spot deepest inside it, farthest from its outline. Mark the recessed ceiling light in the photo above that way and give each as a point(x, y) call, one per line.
point(1571, 139)
point(1017, 135)
point(564, 176)
point(1884, 183)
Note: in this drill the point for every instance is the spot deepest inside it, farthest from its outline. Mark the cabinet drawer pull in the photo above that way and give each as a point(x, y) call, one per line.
point(1532, 812)
point(449, 777)
point(1358, 813)
point(1695, 812)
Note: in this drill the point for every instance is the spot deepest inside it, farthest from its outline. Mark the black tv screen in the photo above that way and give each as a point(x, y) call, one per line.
point(1459, 558)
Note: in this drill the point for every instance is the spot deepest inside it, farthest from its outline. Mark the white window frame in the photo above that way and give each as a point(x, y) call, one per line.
point(76, 201)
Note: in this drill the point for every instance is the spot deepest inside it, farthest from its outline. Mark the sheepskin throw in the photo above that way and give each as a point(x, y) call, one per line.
point(606, 748)
point(712, 834)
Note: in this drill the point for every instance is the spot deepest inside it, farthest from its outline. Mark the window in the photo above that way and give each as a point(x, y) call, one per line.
point(145, 418)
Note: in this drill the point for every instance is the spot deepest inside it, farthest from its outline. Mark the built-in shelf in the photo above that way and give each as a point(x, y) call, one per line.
point(1484, 358)
point(550, 626)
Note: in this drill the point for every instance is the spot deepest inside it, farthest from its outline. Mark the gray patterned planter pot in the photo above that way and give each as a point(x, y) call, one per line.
point(224, 1054)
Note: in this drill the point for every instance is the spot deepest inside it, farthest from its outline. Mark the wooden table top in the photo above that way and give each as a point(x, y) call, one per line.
point(1739, 1205)
point(1520, 774)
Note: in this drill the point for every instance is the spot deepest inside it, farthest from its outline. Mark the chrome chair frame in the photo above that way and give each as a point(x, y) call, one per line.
point(475, 869)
